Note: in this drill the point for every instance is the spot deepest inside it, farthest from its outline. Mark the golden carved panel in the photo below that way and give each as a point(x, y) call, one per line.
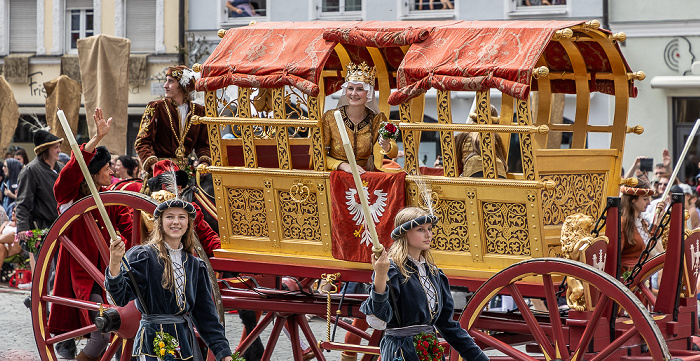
point(299, 219)
point(506, 228)
point(451, 232)
point(247, 208)
point(573, 193)
point(526, 140)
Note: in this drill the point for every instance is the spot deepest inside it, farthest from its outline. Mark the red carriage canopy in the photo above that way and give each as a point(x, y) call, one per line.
point(447, 55)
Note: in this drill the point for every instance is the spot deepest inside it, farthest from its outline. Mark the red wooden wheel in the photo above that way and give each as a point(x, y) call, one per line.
point(547, 333)
point(40, 288)
point(640, 284)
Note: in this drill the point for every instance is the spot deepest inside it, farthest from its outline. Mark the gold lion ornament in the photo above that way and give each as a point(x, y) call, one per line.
point(576, 237)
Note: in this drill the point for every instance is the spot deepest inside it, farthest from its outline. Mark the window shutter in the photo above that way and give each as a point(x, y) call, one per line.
point(141, 25)
point(79, 4)
point(22, 26)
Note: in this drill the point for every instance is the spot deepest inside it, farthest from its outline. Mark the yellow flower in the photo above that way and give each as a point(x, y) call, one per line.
point(162, 351)
point(161, 344)
point(172, 352)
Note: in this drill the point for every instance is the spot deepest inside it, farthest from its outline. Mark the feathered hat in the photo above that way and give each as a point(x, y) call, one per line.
point(166, 177)
point(43, 140)
point(184, 76)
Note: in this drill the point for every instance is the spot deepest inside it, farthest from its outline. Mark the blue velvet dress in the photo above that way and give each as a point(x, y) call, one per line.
point(414, 309)
point(199, 304)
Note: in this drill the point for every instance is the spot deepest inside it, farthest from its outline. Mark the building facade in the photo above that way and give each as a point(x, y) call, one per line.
point(662, 40)
point(44, 34)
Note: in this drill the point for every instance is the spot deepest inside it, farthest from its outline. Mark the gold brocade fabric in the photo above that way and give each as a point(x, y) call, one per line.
point(362, 137)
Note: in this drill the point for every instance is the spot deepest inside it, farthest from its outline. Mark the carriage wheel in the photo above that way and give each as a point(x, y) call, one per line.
point(56, 239)
point(551, 334)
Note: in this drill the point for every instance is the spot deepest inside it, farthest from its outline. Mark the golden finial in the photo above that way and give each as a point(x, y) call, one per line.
point(593, 24)
point(542, 129)
point(361, 73)
point(252, 22)
point(202, 169)
point(618, 37)
point(563, 34)
point(630, 182)
point(637, 129)
point(541, 72)
point(637, 75)
point(197, 67)
point(221, 33)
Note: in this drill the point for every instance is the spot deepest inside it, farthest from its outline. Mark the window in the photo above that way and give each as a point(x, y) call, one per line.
point(141, 25)
point(243, 11)
point(432, 5)
point(429, 9)
point(330, 9)
point(685, 111)
point(537, 7)
point(22, 26)
point(79, 22)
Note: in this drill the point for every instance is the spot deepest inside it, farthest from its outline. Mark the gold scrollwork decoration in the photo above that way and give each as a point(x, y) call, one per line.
point(523, 114)
point(483, 116)
point(451, 233)
point(299, 192)
point(573, 193)
point(248, 215)
point(300, 219)
point(506, 228)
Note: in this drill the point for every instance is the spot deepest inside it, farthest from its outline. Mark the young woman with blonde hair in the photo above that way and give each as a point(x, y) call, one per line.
point(411, 296)
point(174, 283)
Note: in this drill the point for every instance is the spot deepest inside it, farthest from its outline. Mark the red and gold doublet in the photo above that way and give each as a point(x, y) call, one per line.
point(160, 131)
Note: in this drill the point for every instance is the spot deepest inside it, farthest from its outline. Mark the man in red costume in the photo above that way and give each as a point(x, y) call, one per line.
point(166, 129)
point(72, 280)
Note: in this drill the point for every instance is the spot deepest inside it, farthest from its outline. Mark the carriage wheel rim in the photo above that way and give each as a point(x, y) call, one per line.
point(587, 274)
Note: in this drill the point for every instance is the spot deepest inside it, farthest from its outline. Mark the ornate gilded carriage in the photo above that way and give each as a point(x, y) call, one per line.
point(271, 184)
point(266, 87)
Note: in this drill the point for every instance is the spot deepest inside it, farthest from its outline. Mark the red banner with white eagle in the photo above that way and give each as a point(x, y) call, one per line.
point(351, 240)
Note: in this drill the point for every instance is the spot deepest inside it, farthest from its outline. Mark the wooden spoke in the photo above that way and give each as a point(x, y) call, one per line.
point(78, 256)
point(274, 336)
point(615, 345)
point(97, 237)
point(590, 327)
point(497, 344)
point(72, 334)
point(554, 317)
point(532, 323)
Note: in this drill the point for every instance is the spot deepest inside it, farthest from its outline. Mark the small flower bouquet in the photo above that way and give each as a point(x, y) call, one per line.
point(237, 357)
point(165, 346)
point(388, 131)
point(34, 239)
point(427, 347)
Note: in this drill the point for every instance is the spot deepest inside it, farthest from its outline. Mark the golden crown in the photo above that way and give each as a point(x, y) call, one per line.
point(361, 72)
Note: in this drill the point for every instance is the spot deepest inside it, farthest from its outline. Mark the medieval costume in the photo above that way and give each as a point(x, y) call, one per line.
point(363, 135)
point(635, 230)
point(72, 281)
point(174, 309)
point(36, 205)
point(207, 236)
point(166, 129)
point(417, 299)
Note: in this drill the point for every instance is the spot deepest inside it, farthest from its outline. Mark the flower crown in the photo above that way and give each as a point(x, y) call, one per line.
point(183, 76)
point(361, 73)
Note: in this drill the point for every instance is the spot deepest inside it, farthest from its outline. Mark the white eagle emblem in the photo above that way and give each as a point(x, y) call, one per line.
point(355, 209)
point(695, 257)
point(599, 260)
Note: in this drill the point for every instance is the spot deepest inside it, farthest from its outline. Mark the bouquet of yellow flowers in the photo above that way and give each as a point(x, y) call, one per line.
point(165, 346)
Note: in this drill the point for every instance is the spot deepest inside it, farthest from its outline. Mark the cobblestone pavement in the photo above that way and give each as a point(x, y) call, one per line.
point(18, 338)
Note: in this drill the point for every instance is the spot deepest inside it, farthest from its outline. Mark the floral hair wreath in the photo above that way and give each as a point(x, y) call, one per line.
point(416, 222)
point(632, 191)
